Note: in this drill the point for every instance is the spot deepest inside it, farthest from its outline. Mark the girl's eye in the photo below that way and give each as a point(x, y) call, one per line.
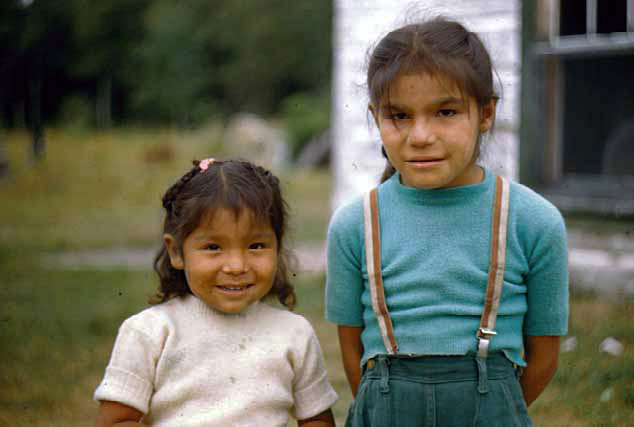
point(446, 113)
point(256, 246)
point(398, 116)
point(213, 247)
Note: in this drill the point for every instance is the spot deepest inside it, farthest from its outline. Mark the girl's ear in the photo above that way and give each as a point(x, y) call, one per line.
point(488, 116)
point(174, 252)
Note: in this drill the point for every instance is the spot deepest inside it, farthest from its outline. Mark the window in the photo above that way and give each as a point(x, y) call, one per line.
point(577, 139)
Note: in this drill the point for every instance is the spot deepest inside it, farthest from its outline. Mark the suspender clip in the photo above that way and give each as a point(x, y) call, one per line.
point(484, 340)
point(485, 332)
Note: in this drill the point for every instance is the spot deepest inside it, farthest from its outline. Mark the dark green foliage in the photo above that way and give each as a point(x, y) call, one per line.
point(34, 54)
point(305, 116)
point(162, 60)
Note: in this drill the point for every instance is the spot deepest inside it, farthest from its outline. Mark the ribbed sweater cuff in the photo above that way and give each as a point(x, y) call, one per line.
point(126, 388)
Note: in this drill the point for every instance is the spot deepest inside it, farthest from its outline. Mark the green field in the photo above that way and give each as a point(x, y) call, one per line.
point(102, 190)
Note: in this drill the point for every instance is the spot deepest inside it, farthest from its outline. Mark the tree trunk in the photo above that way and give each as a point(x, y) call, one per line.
point(103, 105)
point(38, 146)
point(4, 158)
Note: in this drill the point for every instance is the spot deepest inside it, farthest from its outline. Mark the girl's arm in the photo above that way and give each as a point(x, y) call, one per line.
point(351, 352)
point(115, 414)
point(542, 356)
point(325, 419)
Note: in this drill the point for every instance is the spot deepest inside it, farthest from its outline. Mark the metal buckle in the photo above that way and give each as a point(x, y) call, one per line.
point(485, 332)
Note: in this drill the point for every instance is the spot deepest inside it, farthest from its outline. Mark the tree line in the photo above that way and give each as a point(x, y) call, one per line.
point(158, 61)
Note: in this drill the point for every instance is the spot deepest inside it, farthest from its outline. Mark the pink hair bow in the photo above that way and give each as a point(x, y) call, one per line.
point(204, 164)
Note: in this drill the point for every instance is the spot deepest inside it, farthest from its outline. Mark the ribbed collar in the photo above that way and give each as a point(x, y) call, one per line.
point(200, 309)
point(444, 196)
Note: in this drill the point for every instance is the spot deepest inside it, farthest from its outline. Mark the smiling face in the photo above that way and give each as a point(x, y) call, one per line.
point(229, 261)
point(430, 131)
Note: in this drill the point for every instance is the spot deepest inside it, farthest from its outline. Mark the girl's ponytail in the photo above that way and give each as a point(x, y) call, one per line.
point(389, 169)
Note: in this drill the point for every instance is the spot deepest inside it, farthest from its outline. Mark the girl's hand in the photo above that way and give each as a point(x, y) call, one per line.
point(351, 352)
point(542, 357)
point(325, 419)
point(115, 414)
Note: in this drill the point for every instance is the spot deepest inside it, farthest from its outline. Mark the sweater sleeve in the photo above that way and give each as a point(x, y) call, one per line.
point(547, 278)
point(312, 392)
point(344, 279)
point(129, 375)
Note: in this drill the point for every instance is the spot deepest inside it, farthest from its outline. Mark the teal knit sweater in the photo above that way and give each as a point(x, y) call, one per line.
point(435, 257)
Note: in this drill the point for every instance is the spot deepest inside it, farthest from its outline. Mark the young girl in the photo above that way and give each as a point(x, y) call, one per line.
point(445, 282)
point(209, 353)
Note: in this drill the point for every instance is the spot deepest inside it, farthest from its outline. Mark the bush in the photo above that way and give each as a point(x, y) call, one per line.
point(305, 116)
point(78, 113)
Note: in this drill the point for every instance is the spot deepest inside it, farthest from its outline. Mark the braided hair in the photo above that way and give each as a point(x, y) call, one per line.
point(230, 184)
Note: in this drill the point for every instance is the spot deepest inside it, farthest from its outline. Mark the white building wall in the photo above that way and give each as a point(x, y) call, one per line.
point(359, 24)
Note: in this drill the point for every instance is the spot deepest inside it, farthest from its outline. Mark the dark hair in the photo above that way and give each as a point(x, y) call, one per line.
point(438, 47)
point(231, 184)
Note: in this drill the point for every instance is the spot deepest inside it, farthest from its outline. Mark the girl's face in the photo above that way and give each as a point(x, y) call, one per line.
point(430, 131)
point(230, 262)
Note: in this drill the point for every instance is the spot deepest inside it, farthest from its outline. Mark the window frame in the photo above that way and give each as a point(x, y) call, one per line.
point(544, 53)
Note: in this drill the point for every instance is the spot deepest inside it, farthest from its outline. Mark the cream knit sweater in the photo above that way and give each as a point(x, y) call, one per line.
point(185, 365)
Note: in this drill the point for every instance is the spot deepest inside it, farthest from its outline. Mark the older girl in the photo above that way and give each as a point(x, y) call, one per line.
point(448, 284)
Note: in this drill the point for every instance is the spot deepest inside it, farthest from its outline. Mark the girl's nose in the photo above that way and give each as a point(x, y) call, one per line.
point(235, 264)
point(421, 133)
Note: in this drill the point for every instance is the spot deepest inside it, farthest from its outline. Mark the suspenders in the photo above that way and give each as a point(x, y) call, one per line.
point(496, 266)
point(373, 265)
point(486, 331)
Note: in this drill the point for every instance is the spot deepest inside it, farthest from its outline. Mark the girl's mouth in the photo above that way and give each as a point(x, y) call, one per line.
point(425, 163)
point(233, 288)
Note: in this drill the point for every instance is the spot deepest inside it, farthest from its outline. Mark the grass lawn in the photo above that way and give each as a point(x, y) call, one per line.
point(102, 190)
